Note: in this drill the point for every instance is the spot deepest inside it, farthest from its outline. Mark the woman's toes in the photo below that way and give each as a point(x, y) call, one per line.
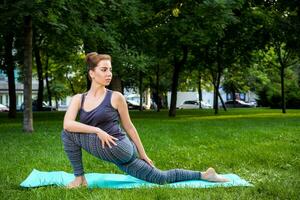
point(211, 175)
point(74, 184)
point(222, 179)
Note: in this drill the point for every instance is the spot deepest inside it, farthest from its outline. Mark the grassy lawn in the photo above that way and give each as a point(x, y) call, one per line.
point(260, 145)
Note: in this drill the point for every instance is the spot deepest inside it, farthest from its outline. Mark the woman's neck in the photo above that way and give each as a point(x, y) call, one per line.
point(97, 90)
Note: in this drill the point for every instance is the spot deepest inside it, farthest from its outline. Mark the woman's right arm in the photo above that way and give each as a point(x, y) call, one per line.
point(71, 125)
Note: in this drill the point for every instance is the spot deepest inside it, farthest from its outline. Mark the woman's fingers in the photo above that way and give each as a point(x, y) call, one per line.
point(112, 141)
point(108, 144)
point(108, 140)
point(149, 162)
point(102, 143)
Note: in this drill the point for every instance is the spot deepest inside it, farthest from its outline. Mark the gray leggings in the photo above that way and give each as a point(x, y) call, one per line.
point(124, 155)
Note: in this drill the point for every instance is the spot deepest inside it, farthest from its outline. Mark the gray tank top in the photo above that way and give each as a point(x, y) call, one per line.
point(103, 116)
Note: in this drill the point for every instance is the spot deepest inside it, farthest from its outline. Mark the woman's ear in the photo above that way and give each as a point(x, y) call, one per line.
point(91, 73)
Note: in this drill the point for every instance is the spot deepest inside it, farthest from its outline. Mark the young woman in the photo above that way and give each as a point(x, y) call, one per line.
point(98, 132)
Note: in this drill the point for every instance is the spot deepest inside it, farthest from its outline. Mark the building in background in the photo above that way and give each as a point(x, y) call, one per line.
point(4, 93)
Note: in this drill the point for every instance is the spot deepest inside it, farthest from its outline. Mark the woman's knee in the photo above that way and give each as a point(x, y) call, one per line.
point(64, 135)
point(123, 153)
point(67, 139)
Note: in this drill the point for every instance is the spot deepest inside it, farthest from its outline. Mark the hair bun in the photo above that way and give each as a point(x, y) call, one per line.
point(90, 55)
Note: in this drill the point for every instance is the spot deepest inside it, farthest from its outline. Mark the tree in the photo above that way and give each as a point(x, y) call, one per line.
point(27, 120)
point(39, 66)
point(202, 26)
point(9, 67)
point(8, 26)
point(264, 79)
point(282, 24)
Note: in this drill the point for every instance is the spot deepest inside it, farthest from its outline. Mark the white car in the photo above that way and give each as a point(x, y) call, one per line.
point(194, 104)
point(132, 105)
point(3, 108)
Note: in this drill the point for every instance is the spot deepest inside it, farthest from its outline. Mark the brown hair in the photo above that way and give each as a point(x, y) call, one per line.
point(92, 59)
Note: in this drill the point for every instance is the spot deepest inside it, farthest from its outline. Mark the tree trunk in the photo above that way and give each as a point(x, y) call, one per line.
point(282, 62)
point(27, 118)
point(47, 80)
point(217, 94)
point(177, 67)
point(216, 108)
point(56, 102)
point(116, 84)
point(71, 84)
point(283, 103)
point(40, 77)
point(233, 97)
point(157, 98)
point(9, 67)
point(141, 89)
point(222, 101)
point(218, 79)
point(199, 90)
point(216, 84)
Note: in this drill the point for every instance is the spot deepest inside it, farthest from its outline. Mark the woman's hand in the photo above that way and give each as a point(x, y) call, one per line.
point(147, 160)
point(106, 139)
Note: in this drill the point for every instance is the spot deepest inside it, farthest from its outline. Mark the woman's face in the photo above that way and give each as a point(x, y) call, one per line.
point(102, 73)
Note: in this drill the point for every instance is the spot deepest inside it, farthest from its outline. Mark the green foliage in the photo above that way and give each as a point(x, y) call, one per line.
point(264, 79)
point(236, 80)
point(144, 38)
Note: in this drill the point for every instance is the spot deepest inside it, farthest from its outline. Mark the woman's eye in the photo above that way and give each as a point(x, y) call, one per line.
point(105, 69)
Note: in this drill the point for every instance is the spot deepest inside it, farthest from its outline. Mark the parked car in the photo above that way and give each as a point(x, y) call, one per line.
point(239, 104)
point(34, 106)
point(194, 104)
point(3, 108)
point(134, 105)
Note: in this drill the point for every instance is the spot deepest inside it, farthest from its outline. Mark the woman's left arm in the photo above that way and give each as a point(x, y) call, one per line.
point(119, 102)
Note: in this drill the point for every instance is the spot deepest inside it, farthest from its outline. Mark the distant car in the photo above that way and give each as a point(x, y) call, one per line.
point(34, 106)
point(194, 104)
point(253, 102)
point(134, 105)
point(3, 108)
point(239, 104)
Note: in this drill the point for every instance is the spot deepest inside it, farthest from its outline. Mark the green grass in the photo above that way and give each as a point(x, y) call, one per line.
point(260, 145)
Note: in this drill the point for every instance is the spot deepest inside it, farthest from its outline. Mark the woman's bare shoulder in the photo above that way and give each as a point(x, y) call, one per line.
point(117, 94)
point(117, 98)
point(77, 97)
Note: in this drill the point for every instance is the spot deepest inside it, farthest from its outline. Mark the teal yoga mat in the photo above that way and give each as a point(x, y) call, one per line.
point(97, 180)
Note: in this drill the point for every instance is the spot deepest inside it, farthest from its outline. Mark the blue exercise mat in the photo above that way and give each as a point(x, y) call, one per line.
point(97, 180)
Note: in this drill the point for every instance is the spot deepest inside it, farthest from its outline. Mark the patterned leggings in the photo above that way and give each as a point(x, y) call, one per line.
point(124, 155)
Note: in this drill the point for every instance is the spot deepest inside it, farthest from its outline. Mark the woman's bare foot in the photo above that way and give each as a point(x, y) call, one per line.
point(211, 175)
point(77, 182)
